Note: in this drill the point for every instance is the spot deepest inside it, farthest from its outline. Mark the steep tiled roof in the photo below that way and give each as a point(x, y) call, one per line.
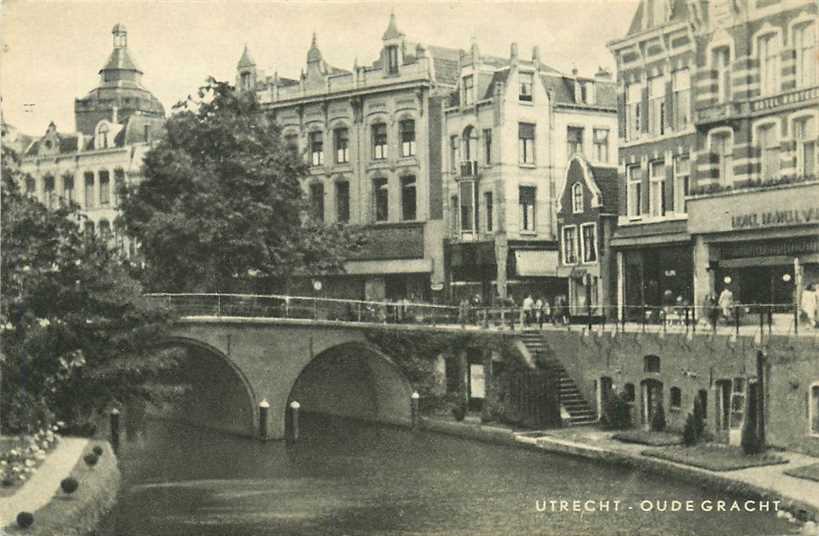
point(447, 64)
point(246, 60)
point(120, 60)
point(606, 180)
point(489, 90)
point(69, 143)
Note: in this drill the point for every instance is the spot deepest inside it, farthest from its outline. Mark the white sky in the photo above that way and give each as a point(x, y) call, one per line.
point(52, 51)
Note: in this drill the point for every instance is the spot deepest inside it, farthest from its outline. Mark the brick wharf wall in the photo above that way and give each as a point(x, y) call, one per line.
point(697, 364)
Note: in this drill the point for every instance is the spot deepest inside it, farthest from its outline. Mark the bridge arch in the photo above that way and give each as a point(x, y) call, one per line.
point(221, 396)
point(354, 379)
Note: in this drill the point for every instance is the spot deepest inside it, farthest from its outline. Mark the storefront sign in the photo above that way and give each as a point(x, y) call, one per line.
point(774, 218)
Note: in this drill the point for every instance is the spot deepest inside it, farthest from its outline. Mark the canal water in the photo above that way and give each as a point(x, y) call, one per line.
point(349, 478)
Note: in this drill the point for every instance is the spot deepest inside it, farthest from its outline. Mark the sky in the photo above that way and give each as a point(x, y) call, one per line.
point(53, 50)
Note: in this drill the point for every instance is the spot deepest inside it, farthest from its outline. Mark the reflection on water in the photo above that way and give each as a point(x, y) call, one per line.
point(346, 477)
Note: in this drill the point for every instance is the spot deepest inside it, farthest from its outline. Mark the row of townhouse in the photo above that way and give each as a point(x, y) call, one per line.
point(716, 187)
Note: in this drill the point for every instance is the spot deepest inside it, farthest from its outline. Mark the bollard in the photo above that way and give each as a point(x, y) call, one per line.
point(264, 410)
point(115, 429)
point(414, 408)
point(294, 421)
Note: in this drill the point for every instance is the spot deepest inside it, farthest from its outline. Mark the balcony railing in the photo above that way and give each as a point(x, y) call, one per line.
point(469, 169)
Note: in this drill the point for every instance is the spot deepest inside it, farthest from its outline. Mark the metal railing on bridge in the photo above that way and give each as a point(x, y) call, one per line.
point(737, 318)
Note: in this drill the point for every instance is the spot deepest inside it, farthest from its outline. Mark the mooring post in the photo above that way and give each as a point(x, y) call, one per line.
point(414, 408)
point(264, 411)
point(294, 421)
point(115, 429)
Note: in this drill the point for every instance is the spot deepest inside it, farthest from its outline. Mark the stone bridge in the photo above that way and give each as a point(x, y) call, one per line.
point(328, 366)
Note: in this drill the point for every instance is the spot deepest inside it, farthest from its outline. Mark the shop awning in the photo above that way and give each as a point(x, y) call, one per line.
point(536, 263)
point(652, 240)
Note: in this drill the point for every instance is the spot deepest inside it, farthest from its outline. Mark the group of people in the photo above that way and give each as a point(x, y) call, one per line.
point(532, 311)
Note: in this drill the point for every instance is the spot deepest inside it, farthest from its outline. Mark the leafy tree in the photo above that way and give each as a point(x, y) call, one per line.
point(76, 332)
point(221, 206)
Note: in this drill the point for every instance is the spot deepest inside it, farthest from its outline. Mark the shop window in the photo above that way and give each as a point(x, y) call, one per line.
point(589, 241)
point(577, 198)
point(487, 145)
point(768, 50)
point(721, 63)
point(526, 84)
point(634, 204)
point(316, 149)
point(681, 88)
point(574, 138)
point(681, 182)
point(105, 188)
point(656, 105)
point(601, 144)
point(628, 392)
point(656, 189)
point(89, 190)
point(570, 244)
point(805, 134)
point(342, 202)
point(407, 132)
point(633, 111)
point(381, 200)
point(769, 149)
point(526, 143)
point(814, 408)
point(342, 143)
point(804, 41)
point(488, 210)
point(468, 90)
point(675, 399)
point(651, 363)
point(526, 204)
point(317, 201)
point(379, 133)
point(408, 198)
point(722, 151)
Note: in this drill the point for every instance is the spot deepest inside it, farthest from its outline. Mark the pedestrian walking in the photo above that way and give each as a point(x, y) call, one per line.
point(808, 304)
point(539, 312)
point(527, 309)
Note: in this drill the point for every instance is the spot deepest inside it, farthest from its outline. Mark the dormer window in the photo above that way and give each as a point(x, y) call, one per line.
point(468, 90)
point(526, 83)
point(102, 137)
point(392, 59)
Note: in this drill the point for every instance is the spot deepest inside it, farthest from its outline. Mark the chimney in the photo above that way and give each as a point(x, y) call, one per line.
point(536, 55)
point(602, 75)
point(513, 53)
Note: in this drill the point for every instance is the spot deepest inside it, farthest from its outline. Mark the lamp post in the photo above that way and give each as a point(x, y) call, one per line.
point(114, 416)
point(787, 279)
point(294, 421)
point(264, 411)
point(414, 408)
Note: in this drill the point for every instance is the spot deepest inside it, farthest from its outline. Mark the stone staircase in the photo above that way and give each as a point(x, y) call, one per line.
point(571, 400)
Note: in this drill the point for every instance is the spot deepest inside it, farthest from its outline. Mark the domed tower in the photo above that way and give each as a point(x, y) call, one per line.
point(120, 93)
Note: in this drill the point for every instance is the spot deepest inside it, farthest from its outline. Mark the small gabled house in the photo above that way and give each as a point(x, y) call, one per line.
point(586, 219)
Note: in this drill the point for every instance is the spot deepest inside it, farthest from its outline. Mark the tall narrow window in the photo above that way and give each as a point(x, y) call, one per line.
point(31, 186)
point(407, 130)
point(381, 199)
point(526, 143)
point(105, 188)
point(489, 210)
point(577, 198)
point(526, 83)
point(721, 63)
point(316, 149)
point(589, 241)
point(723, 151)
point(379, 141)
point(769, 64)
point(467, 199)
point(119, 183)
point(342, 142)
point(317, 201)
point(633, 102)
point(408, 198)
point(656, 200)
point(68, 188)
point(392, 60)
point(470, 139)
point(468, 90)
point(601, 144)
point(681, 86)
point(342, 202)
point(291, 140)
point(526, 200)
point(453, 215)
point(682, 178)
point(103, 137)
point(487, 145)
point(89, 190)
point(635, 191)
point(574, 137)
point(804, 41)
point(48, 191)
point(805, 134)
point(570, 245)
point(454, 154)
point(656, 105)
point(769, 147)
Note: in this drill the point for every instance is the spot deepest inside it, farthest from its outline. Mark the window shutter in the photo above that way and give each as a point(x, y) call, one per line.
point(621, 115)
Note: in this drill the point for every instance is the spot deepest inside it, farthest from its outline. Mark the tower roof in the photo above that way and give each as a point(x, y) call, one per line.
point(246, 60)
point(120, 60)
point(314, 54)
point(392, 31)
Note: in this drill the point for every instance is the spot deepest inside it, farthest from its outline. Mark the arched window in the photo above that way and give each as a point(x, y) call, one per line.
point(804, 41)
point(577, 198)
point(651, 363)
point(407, 136)
point(470, 138)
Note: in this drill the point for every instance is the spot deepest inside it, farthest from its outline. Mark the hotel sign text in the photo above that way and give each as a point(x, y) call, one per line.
point(775, 218)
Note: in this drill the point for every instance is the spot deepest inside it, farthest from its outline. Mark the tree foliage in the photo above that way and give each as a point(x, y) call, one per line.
point(76, 331)
point(221, 206)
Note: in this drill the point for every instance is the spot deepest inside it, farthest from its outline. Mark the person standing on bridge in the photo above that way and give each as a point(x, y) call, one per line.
point(527, 309)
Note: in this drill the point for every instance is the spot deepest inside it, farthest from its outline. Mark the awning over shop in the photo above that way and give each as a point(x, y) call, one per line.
point(652, 240)
point(536, 263)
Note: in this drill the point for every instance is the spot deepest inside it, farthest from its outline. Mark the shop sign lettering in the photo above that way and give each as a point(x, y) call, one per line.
point(775, 217)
